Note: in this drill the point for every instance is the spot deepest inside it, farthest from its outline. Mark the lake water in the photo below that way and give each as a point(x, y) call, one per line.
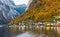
point(6, 31)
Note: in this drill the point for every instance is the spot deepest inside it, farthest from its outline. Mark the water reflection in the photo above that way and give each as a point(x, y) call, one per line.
point(37, 31)
point(30, 34)
point(4, 31)
point(29, 31)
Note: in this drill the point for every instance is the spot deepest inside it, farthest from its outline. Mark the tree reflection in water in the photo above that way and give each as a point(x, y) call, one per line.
point(34, 31)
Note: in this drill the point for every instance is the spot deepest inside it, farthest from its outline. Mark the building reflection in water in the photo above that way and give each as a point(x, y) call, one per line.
point(50, 31)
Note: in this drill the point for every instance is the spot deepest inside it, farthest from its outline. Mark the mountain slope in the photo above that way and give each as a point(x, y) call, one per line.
point(41, 10)
point(8, 11)
point(20, 8)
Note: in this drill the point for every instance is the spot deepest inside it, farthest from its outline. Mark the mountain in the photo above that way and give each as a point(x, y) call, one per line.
point(8, 11)
point(40, 10)
point(21, 8)
point(7, 2)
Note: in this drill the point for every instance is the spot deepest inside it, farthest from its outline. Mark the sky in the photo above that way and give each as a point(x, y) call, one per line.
point(19, 2)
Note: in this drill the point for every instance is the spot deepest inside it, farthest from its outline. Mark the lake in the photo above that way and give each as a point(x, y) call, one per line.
point(29, 31)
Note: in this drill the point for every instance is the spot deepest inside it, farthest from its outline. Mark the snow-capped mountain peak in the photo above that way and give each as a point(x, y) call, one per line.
point(8, 11)
point(7, 2)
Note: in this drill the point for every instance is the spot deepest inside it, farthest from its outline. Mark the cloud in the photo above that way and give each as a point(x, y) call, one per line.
point(19, 2)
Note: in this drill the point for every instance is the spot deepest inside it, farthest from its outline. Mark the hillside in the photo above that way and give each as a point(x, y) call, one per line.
point(9, 11)
point(40, 10)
